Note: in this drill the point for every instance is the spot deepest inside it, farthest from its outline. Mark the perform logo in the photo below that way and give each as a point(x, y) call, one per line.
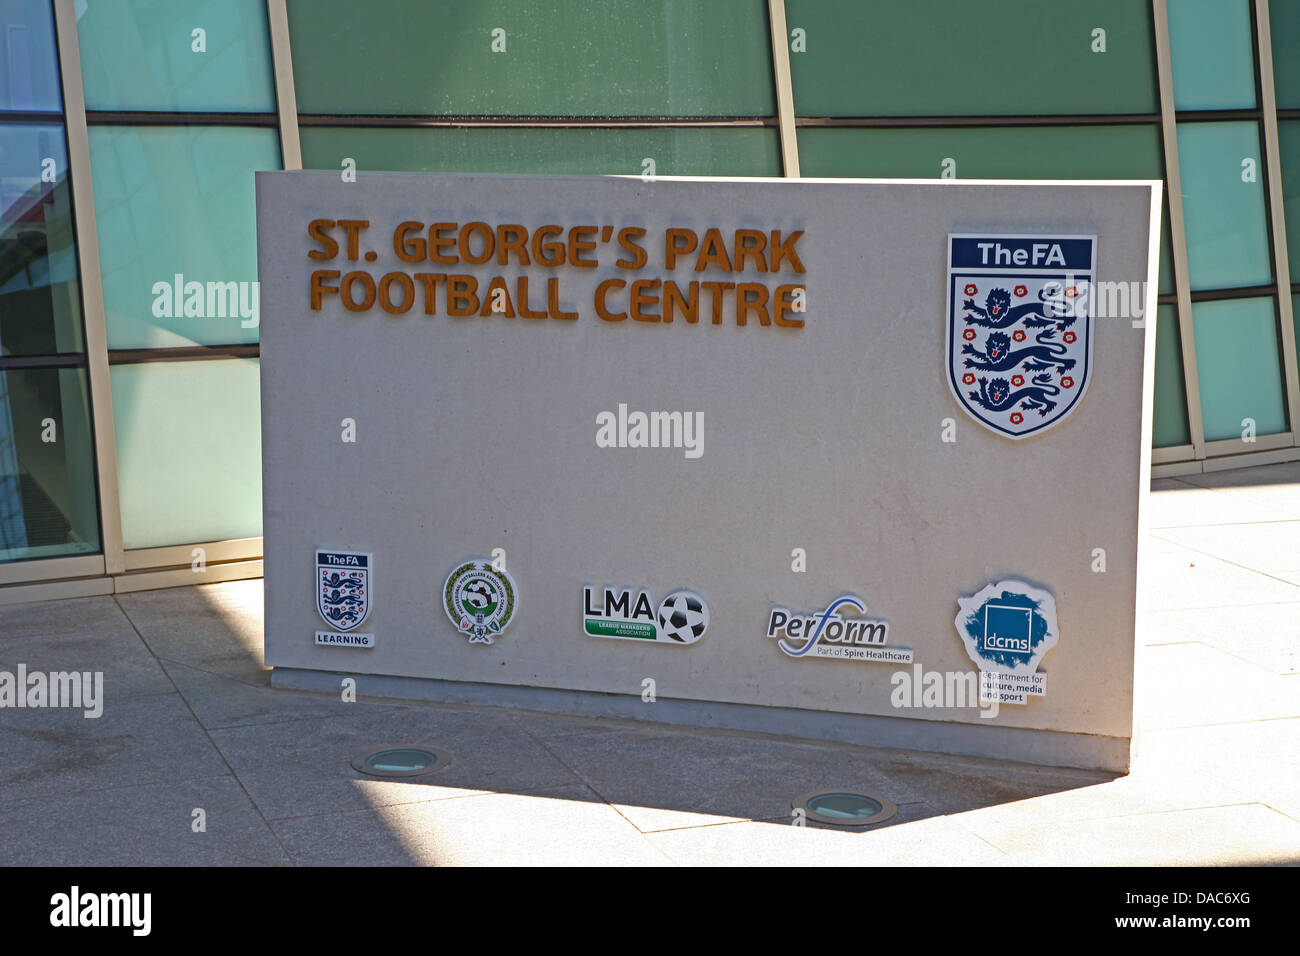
point(73, 909)
point(827, 634)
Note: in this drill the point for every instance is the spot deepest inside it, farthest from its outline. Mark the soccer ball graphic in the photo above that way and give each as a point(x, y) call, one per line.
point(683, 616)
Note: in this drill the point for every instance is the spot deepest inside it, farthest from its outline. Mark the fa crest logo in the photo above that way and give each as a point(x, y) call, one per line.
point(1019, 328)
point(343, 588)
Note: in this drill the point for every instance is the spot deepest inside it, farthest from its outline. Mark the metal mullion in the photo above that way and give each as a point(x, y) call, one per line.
point(976, 122)
point(286, 98)
point(176, 118)
point(214, 552)
point(1217, 116)
point(182, 577)
point(184, 353)
point(1277, 217)
point(1171, 453)
point(32, 117)
point(55, 590)
point(47, 569)
point(1242, 292)
point(784, 87)
point(1177, 228)
point(1238, 446)
point(92, 288)
point(70, 360)
point(467, 121)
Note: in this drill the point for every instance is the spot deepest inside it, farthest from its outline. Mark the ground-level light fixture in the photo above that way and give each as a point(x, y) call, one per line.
point(402, 760)
point(845, 808)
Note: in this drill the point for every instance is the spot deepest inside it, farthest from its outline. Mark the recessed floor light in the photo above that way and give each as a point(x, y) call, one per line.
point(405, 760)
point(845, 808)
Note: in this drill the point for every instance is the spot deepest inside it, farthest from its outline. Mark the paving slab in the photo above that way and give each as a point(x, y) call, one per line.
point(1266, 635)
point(140, 826)
point(136, 741)
point(302, 767)
point(1188, 685)
point(1245, 835)
point(222, 701)
point(567, 828)
point(1269, 547)
point(82, 634)
point(665, 779)
point(1260, 759)
point(1152, 790)
point(1180, 505)
point(1187, 580)
point(215, 627)
point(1278, 480)
point(932, 840)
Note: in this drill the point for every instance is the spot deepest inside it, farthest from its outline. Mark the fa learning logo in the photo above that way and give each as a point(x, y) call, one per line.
point(1019, 328)
point(1006, 629)
point(480, 599)
point(343, 588)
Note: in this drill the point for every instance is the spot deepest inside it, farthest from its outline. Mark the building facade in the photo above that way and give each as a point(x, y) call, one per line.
point(130, 131)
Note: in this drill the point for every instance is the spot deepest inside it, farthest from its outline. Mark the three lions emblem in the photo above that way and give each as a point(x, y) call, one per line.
point(1019, 328)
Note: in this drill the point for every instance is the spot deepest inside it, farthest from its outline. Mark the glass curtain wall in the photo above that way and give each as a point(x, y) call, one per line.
point(1230, 262)
point(180, 105)
point(48, 504)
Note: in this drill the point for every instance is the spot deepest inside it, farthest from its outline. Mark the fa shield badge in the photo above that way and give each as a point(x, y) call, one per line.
point(1020, 328)
point(343, 588)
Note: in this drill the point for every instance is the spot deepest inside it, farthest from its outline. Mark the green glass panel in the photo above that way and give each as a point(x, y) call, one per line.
point(1212, 54)
point(40, 297)
point(1223, 205)
point(1044, 152)
point(29, 66)
point(519, 57)
point(675, 152)
point(178, 201)
point(189, 451)
point(951, 58)
point(148, 55)
point(1284, 28)
point(1239, 367)
point(1288, 134)
point(47, 488)
point(1170, 410)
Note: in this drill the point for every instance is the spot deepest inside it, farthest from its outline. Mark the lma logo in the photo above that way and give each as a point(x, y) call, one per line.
point(682, 617)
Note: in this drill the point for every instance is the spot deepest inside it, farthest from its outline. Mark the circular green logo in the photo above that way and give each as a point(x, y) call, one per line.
point(479, 599)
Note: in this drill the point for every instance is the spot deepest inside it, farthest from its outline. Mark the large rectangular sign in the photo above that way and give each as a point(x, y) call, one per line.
point(856, 449)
